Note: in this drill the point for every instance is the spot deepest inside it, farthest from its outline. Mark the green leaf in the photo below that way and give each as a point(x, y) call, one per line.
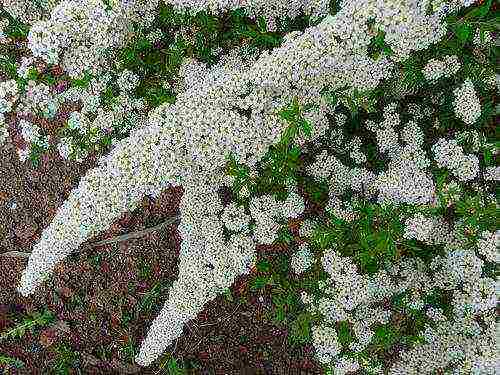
point(479, 12)
point(9, 361)
point(263, 265)
point(174, 368)
point(294, 152)
point(300, 329)
point(344, 333)
point(259, 283)
point(306, 127)
point(279, 313)
point(463, 32)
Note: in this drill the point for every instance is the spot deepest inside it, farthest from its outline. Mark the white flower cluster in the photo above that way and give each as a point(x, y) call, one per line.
point(326, 343)
point(265, 210)
point(419, 227)
point(488, 246)
point(94, 121)
point(459, 271)
point(458, 342)
point(436, 69)
point(4, 134)
point(411, 134)
point(340, 209)
point(8, 98)
point(269, 9)
point(3, 36)
point(307, 228)
point(207, 265)
point(128, 81)
point(407, 180)
point(406, 25)
point(492, 173)
point(449, 154)
point(484, 39)
point(28, 11)
point(302, 259)
point(355, 151)
point(466, 103)
point(293, 206)
point(79, 32)
point(235, 218)
point(38, 98)
point(31, 134)
point(323, 166)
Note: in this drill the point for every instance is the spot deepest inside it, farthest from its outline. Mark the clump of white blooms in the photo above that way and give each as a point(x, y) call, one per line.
point(269, 9)
point(449, 154)
point(78, 33)
point(293, 206)
point(265, 211)
point(235, 218)
point(28, 11)
point(128, 81)
point(8, 98)
point(492, 173)
point(436, 69)
point(466, 103)
point(65, 148)
point(419, 227)
point(483, 39)
point(325, 342)
point(4, 134)
point(488, 246)
point(302, 259)
point(307, 228)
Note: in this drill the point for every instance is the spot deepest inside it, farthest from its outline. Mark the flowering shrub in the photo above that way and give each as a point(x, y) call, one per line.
point(366, 123)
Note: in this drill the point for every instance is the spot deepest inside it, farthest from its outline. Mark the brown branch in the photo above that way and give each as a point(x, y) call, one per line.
point(137, 234)
point(15, 254)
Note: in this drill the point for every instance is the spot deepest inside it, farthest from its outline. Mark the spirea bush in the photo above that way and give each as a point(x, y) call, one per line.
point(358, 133)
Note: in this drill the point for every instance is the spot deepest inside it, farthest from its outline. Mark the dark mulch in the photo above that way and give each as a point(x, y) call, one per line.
point(98, 295)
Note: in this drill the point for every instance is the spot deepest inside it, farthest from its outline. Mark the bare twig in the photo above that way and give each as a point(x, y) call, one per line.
point(136, 234)
point(16, 254)
point(219, 320)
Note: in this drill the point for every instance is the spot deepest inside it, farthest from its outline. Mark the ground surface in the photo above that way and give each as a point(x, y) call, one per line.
point(106, 298)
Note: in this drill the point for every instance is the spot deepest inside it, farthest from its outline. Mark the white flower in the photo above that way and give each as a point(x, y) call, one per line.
point(65, 147)
point(78, 121)
point(4, 135)
point(293, 206)
point(128, 81)
point(302, 259)
point(23, 153)
point(29, 131)
point(234, 217)
point(487, 246)
point(468, 168)
point(418, 227)
point(466, 103)
point(325, 343)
